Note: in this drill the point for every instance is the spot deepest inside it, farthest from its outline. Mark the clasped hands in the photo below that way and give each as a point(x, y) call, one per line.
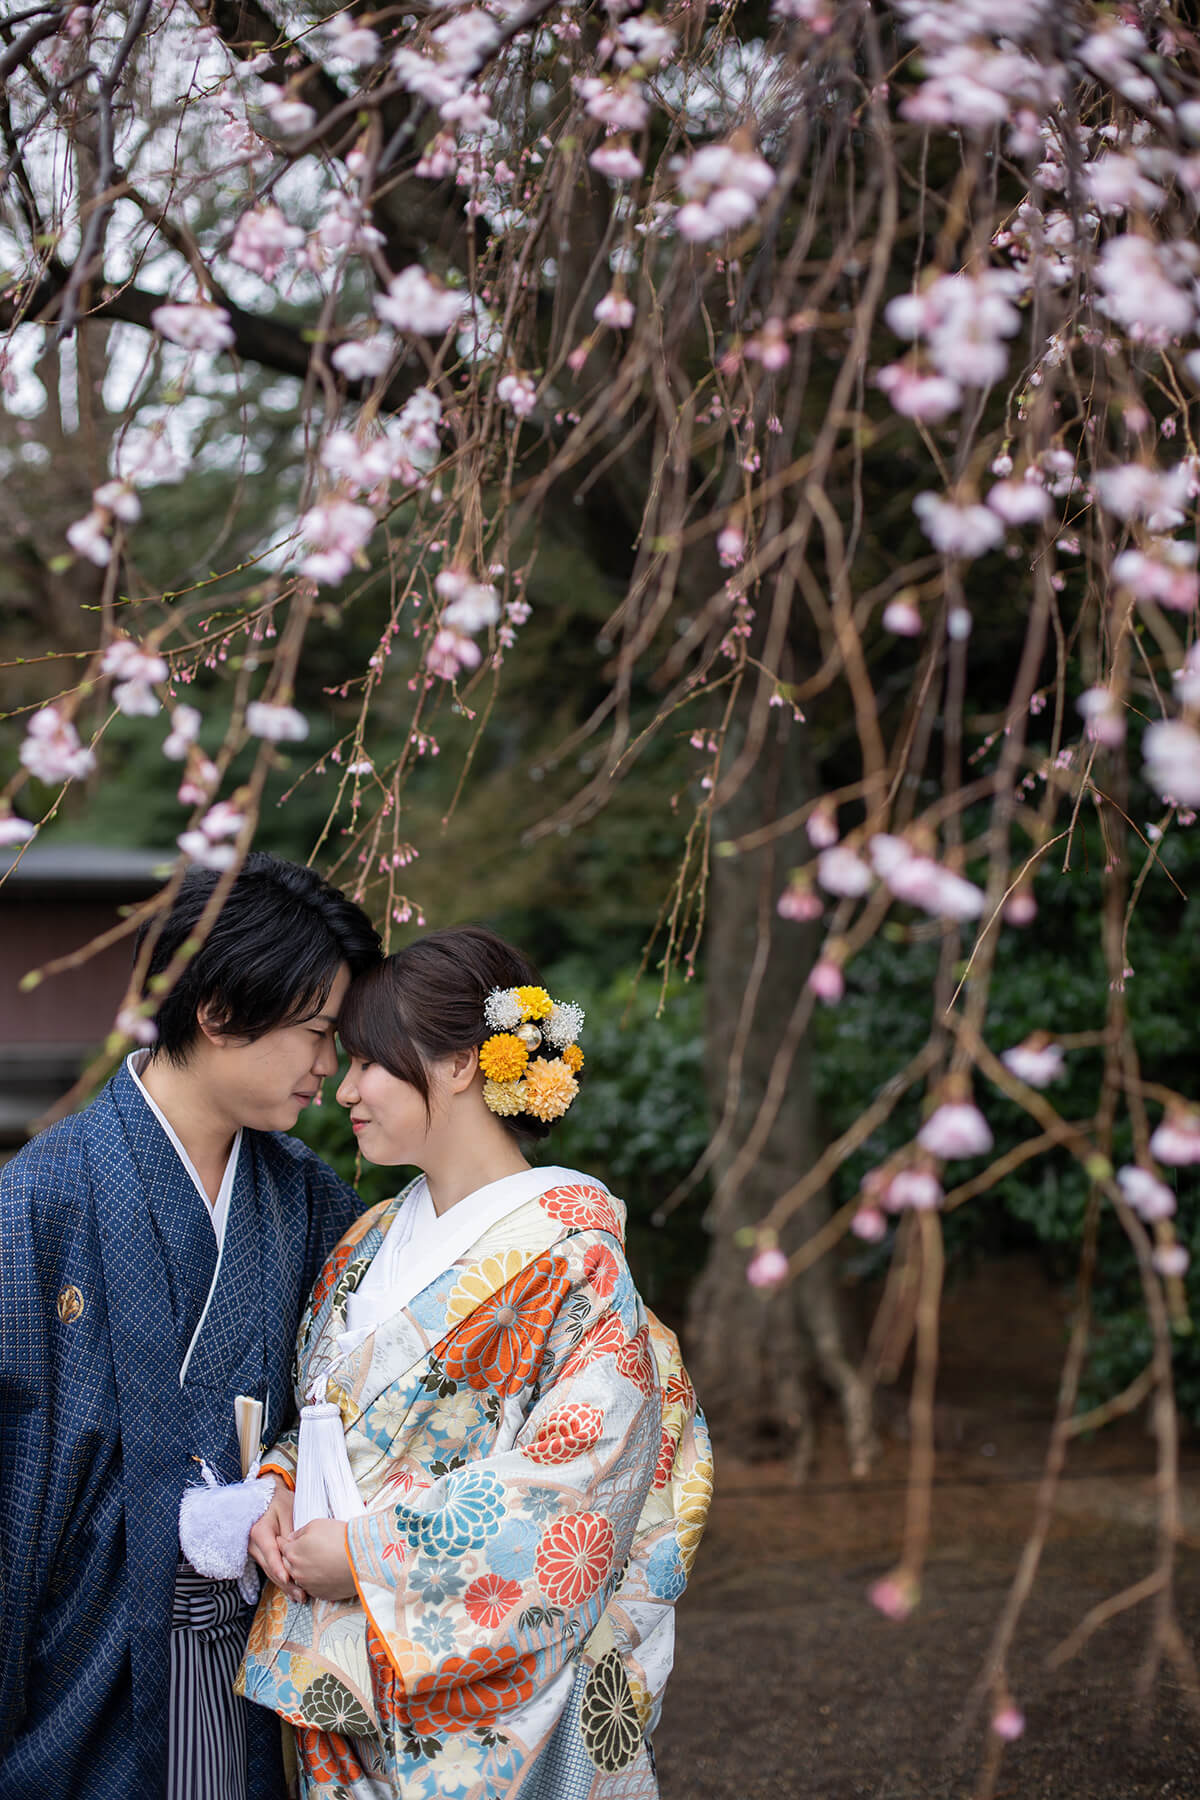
point(311, 1563)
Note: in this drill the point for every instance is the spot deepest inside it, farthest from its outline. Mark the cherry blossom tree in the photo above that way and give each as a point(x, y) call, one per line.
point(725, 271)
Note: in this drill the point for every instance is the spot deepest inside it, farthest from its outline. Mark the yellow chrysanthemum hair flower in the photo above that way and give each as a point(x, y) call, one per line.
point(573, 1057)
point(505, 1098)
point(503, 1057)
point(549, 1087)
point(535, 1002)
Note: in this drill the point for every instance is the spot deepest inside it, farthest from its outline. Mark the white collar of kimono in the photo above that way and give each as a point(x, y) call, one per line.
point(218, 1209)
point(418, 1245)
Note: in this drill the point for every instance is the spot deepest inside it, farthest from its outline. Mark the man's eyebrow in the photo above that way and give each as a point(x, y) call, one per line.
point(321, 1018)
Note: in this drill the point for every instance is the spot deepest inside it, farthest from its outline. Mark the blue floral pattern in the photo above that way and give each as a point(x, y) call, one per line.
point(469, 1510)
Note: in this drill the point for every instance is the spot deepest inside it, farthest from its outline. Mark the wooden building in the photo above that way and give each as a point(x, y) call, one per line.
point(57, 898)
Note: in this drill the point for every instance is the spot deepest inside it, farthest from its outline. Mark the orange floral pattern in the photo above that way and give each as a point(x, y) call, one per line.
point(680, 1391)
point(600, 1270)
point(325, 1756)
point(636, 1362)
point(500, 1344)
point(605, 1337)
point(490, 1599)
point(666, 1460)
point(564, 1434)
point(470, 1691)
point(585, 1208)
point(574, 1556)
point(335, 1265)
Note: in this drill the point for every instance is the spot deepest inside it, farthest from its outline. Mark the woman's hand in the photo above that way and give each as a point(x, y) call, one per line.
point(315, 1559)
point(266, 1537)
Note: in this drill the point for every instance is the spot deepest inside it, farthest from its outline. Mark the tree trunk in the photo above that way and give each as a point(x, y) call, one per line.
point(754, 1352)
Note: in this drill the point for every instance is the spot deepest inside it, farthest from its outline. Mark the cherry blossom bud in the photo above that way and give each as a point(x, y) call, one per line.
point(1147, 1195)
point(869, 1224)
point(278, 724)
point(1008, 1723)
point(895, 1596)
point(767, 1268)
point(1037, 1061)
point(902, 618)
point(1177, 1139)
point(827, 982)
point(821, 826)
point(1020, 908)
point(955, 1128)
point(1170, 1259)
point(799, 903)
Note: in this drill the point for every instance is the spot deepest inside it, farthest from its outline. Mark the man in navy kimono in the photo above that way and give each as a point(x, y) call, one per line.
point(155, 1253)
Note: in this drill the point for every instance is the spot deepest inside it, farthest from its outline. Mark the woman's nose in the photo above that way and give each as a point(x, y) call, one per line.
point(347, 1093)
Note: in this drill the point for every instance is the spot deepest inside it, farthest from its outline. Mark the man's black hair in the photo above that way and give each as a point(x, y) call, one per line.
point(269, 960)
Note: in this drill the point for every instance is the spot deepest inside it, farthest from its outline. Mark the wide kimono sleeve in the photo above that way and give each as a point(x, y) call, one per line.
point(485, 1579)
point(60, 1491)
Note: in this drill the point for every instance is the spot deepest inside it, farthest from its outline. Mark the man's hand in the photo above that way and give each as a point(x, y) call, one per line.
point(315, 1558)
point(266, 1536)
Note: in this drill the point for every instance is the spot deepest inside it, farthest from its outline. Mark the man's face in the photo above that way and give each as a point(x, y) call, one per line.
point(266, 1084)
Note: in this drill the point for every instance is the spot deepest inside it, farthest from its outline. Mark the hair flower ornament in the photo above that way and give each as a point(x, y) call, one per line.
point(516, 1078)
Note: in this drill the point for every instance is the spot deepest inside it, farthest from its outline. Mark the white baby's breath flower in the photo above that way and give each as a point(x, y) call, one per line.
point(502, 1009)
point(564, 1024)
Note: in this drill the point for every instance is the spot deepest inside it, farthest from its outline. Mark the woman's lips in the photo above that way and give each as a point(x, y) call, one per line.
point(359, 1124)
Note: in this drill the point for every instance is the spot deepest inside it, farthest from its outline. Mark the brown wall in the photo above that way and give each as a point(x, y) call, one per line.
point(76, 1007)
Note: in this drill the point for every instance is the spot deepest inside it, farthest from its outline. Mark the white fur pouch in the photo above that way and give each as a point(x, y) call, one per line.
point(215, 1523)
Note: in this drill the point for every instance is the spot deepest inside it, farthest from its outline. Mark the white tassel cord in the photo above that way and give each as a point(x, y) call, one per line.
point(324, 1485)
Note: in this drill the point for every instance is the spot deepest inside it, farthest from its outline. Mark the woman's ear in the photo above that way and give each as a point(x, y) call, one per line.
point(463, 1065)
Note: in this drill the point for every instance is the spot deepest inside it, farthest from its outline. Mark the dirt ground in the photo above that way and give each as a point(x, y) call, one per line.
point(789, 1685)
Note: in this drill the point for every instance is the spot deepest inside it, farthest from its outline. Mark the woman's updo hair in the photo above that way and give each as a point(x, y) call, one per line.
point(427, 1001)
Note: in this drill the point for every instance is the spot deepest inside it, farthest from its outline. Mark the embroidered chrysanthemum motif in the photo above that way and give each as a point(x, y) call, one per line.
point(574, 1556)
point(612, 1729)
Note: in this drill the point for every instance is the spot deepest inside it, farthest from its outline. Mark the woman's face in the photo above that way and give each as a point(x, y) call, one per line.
point(388, 1115)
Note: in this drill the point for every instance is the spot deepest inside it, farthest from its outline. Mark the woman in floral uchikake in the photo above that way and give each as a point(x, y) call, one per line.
point(500, 1478)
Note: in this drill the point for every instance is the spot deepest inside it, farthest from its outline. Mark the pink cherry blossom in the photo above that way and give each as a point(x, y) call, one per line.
point(417, 305)
point(89, 537)
point(614, 310)
point(840, 871)
point(827, 982)
point(204, 852)
point(52, 751)
point(1187, 678)
point(958, 529)
point(1008, 1723)
point(917, 1189)
point(14, 830)
point(1163, 571)
point(136, 1025)
point(120, 499)
point(956, 1128)
point(1140, 282)
point(723, 188)
point(185, 726)
point(1171, 751)
point(194, 327)
point(1147, 1195)
point(928, 397)
point(1105, 719)
point(902, 617)
point(339, 529)
point(1170, 1259)
point(1019, 502)
point(351, 42)
point(821, 827)
point(278, 724)
point(616, 160)
point(767, 1268)
point(800, 904)
point(1035, 1062)
point(450, 653)
point(262, 239)
point(288, 114)
point(474, 609)
point(1020, 908)
point(770, 346)
point(1177, 1139)
point(622, 105)
point(895, 1596)
point(731, 545)
point(362, 359)
point(518, 392)
point(869, 1224)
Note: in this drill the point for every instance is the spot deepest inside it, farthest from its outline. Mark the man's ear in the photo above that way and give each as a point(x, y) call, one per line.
point(463, 1065)
point(211, 1019)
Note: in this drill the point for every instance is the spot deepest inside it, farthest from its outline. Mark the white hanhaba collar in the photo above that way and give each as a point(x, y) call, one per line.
point(218, 1209)
point(418, 1245)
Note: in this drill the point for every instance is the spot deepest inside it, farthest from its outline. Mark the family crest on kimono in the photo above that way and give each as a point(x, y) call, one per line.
point(156, 1251)
point(475, 1596)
